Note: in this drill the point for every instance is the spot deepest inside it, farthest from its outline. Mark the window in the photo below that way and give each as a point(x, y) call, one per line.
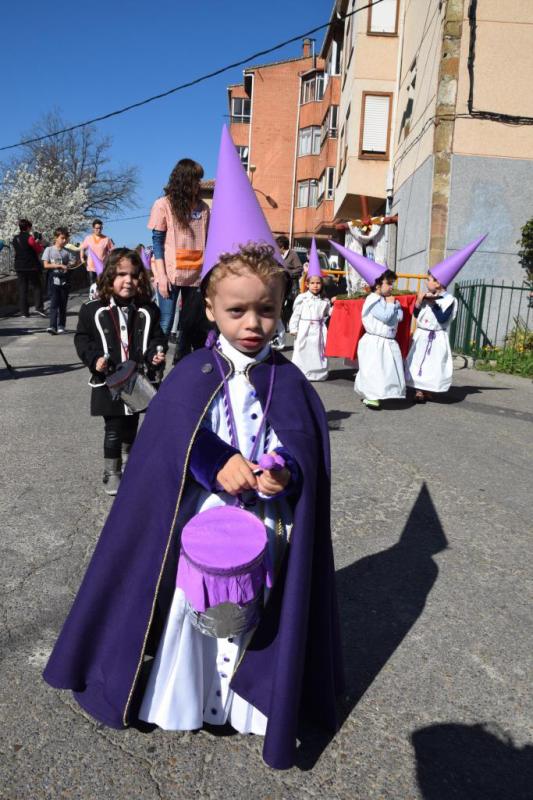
point(312, 88)
point(375, 125)
point(309, 141)
point(405, 122)
point(326, 185)
point(383, 18)
point(243, 155)
point(329, 124)
point(307, 193)
point(240, 109)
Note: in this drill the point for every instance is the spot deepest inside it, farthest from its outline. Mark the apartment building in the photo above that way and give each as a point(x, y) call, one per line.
point(283, 120)
point(368, 84)
point(462, 151)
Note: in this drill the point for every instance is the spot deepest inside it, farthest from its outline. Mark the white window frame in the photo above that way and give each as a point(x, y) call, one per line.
point(307, 192)
point(242, 150)
point(371, 131)
point(309, 141)
point(383, 19)
point(312, 89)
point(242, 116)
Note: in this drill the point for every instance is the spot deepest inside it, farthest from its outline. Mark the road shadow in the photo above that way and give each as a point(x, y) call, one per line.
point(471, 762)
point(380, 598)
point(38, 371)
point(335, 417)
point(456, 394)
point(344, 374)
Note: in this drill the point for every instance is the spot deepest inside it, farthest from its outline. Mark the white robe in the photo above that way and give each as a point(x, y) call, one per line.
point(308, 324)
point(381, 374)
point(429, 365)
point(190, 677)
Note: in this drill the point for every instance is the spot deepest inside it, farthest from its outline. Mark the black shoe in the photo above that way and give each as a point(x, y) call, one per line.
point(41, 312)
point(51, 330)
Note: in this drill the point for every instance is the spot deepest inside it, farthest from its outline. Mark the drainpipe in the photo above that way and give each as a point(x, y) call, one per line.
point(390, 174)
point(251, 122)
point(291, 224)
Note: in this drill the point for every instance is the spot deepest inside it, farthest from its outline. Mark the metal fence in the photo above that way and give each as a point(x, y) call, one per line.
point(490, 315)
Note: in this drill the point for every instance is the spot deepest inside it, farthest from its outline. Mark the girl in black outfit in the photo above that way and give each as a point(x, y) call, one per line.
point(122, 324)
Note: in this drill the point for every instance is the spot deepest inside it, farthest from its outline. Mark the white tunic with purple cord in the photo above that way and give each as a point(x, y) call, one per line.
point(189, 680)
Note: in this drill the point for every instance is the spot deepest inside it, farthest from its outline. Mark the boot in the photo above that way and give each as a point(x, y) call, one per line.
point(126, 449)
point(111, 475)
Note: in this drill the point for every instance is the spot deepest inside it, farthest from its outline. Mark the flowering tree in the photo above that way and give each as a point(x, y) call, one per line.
point(43, 195)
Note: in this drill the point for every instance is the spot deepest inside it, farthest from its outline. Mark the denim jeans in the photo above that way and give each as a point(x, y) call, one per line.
point(58, 304)
point(167, 308)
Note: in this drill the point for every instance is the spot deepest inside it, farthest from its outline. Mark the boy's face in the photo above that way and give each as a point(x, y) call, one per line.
point(61, 241)
point(97, 229)
point(433, 285)
point(385, 289)
point(315, 285)
point(246, 309)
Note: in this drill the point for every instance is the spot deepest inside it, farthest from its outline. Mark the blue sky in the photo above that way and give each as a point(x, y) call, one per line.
point(88, 59)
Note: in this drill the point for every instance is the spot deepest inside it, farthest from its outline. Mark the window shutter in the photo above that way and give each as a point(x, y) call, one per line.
point(383, 18)
point(376, 123)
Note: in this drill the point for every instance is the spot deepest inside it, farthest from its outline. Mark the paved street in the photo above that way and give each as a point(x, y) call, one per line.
point(432, 534)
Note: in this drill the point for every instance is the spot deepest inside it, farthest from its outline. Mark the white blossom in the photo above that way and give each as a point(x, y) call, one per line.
point(43, 195)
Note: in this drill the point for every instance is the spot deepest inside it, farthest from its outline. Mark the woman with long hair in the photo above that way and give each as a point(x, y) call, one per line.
point(179, 222)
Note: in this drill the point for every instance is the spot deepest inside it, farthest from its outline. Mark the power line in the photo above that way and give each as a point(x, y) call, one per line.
point(188, 84)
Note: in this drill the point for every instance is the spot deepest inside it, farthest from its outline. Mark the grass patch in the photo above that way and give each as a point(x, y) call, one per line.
point(511, 361)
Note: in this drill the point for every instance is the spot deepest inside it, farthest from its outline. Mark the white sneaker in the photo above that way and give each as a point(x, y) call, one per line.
point(61, 330)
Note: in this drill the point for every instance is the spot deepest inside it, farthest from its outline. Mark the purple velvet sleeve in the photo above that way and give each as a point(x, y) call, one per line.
point(294, 485)
point(208, 456)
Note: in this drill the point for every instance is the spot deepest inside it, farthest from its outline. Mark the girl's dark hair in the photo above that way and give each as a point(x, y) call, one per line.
point(388, 276)
point(96, 222)
point(183, 189)
point(61, 230)
point(24, 225)
point(105, 281)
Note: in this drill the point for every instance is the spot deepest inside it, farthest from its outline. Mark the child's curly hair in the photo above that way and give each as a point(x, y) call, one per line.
point(106, 279)
point(258, 258)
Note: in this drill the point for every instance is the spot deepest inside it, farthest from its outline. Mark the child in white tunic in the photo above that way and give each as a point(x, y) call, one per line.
point(190, 678)
point(429, 366)
point(308, 324)
point(381, 375)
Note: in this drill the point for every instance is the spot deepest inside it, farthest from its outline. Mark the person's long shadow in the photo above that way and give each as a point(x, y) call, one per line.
point(469, 762)
point(380, 598)
point(38, 371)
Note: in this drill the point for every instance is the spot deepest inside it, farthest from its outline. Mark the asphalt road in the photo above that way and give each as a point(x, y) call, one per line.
point(432, 535)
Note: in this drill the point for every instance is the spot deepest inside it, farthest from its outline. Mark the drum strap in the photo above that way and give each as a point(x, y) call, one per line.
point(125, 347)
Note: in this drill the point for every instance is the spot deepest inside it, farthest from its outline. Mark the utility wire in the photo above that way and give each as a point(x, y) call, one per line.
point(187, 85)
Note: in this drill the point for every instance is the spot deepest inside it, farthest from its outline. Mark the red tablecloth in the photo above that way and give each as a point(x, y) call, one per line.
point(346, 327)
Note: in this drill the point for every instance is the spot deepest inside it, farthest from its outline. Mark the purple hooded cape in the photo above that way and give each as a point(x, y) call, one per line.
point(293, 662)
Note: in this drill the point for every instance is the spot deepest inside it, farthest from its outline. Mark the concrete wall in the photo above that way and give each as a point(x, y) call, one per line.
point(494, 195)
point(412, 203)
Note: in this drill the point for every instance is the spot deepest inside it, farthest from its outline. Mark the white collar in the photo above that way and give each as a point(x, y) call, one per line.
point(240, 360)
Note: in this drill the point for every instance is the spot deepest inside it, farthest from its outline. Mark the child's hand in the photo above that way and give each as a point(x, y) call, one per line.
point(236, 475)
point(421, 296)
point(272, 482)
point(159, 358)
point(101, 364)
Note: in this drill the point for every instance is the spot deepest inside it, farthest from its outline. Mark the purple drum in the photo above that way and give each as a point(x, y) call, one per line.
point(222, 569)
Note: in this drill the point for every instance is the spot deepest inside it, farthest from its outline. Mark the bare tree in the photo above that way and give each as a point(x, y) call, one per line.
point(83, 156)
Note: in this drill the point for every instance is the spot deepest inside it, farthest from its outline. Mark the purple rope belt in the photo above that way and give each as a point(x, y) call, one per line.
point(429, 345)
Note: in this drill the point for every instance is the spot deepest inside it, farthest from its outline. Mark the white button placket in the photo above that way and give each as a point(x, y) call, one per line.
point(216, 707)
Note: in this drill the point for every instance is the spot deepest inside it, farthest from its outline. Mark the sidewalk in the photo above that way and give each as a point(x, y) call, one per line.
point(432, 530)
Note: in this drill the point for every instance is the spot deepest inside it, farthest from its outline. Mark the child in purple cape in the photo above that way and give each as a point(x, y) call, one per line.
point(129, 607)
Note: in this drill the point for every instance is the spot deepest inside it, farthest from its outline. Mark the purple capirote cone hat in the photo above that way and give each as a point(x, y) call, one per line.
point(314, 270)
point(98, 264)
point(236, 216)
point(445, 271)
point(369, 270)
